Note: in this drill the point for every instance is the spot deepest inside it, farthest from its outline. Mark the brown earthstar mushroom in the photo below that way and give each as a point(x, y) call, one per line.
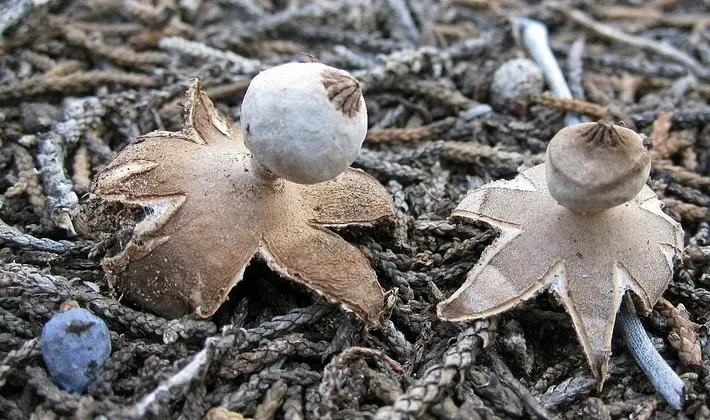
point(211, 207)
point(588, 258)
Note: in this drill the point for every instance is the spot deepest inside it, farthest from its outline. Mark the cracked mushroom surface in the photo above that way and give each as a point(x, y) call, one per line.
point(587, 260)
point(211, 208)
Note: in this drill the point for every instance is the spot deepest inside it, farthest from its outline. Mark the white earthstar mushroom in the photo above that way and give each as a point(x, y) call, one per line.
point(212, 207)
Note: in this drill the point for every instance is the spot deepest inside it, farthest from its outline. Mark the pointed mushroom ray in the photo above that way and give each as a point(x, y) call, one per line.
point(494, 285)
point(326, 263)
point(351, 197)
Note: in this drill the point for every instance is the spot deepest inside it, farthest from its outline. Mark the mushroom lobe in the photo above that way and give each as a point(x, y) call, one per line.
point(596, 166)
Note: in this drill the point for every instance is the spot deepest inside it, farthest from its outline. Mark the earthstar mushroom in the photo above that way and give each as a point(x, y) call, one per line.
point(590, 257)
point(212, 205)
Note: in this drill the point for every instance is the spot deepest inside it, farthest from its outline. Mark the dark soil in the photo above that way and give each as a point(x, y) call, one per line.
point(80, 79)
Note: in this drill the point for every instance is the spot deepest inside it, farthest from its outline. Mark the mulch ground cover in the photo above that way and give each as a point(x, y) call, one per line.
point(80, 79)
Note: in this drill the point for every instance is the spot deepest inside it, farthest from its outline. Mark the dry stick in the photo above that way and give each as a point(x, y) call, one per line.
point(614, 34)
point(39, 61)
point(106, 29)
point(376, 162)
point(148, 14)
point(227, 90)
point(396, 340)
point(119, 54)
point(467, 153)
point(268, 351)
point(179, 384)
point(182, 46)
point(535, 38)
point(664, 379)
point(474, 4)
point(28, 181)
point(71, 84)
point(81, 168)
point(683, 117)
point(66, 67)
point(273, 400)
point(34, 282)
point(642, 82)
point(457, 358)
point(570, 389)
point(426, 132)
point(660, 134)
point(651, 16)
point(434, 91)
point(28, 350)
point(297, 317)
point(187, 327)
point(11, 235)
point(682, 211)
point(684, 335)
point(555, 372)
point(402, 21)
point(251, 389)
point(79, 115)
point(576, 71)
point(577, 106)
point(363, 40)
point(340, 365)
point(532, 405)
point(684, 176)
point(61, 198)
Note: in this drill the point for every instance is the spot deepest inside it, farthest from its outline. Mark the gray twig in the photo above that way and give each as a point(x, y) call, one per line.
point(664, 379)
point(24, 240)
point(401, 19)
point(61, 198)
point(458, 357)
point(182, 46)
point(536, 41)
point(576, 70)
point(179, 384)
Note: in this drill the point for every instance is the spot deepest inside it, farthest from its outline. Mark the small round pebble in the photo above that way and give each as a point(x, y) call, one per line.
point(516, 80)
point(75, 345)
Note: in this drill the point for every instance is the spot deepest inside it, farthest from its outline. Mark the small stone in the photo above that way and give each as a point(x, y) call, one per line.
point(514, 84)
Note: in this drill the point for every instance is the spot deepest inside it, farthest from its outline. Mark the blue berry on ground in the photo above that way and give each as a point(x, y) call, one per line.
point(75, 345)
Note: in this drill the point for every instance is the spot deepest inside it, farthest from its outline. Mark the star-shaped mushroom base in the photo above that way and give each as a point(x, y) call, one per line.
point(211, 209)
point(587, 261)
